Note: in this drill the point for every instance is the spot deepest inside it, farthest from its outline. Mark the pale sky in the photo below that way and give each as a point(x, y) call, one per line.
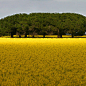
point(10, 7)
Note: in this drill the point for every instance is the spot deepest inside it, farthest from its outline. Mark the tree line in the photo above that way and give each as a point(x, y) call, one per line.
point(43, 24)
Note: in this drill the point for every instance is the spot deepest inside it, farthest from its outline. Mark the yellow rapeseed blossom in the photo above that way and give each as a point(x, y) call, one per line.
point(42, 62)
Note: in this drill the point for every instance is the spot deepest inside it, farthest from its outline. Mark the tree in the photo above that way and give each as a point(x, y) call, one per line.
point(43, 24)
point(19, 30)
point(44, 32)
point(56, 24)
point(72, 25)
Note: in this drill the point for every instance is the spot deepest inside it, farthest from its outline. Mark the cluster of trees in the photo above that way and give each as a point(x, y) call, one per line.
point(43, 24)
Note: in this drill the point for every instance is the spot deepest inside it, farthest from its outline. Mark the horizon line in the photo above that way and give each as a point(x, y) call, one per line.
point(40, 12)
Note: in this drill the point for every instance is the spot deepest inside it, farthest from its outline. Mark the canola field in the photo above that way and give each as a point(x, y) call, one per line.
point(42, 62)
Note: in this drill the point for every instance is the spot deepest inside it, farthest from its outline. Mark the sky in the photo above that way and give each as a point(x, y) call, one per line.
point(11, 7)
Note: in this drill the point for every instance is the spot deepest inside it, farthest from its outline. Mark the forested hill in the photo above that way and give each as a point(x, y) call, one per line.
point(43, 24)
